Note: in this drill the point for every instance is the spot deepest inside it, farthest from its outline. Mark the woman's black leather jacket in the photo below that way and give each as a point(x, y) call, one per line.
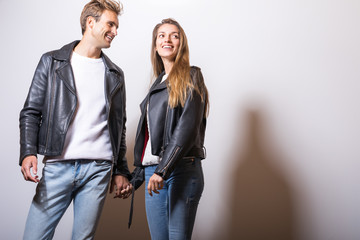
point(51, 103)
point(176, 133)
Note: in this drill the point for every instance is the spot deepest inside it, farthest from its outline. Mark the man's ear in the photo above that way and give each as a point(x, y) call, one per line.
point(90, 22)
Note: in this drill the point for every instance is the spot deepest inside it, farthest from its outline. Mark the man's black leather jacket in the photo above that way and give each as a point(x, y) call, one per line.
point(51, 104)
point(176, 133)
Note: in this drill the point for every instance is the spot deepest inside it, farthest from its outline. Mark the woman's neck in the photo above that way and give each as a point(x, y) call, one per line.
point(168, 65)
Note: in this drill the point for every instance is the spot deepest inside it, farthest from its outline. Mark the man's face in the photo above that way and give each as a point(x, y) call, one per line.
point(105, 30)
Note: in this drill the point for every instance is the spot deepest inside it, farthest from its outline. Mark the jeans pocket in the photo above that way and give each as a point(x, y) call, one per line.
point(102, 163)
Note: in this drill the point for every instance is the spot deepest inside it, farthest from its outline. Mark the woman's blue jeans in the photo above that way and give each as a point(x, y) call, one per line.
point(171, 213)
point(85, 182)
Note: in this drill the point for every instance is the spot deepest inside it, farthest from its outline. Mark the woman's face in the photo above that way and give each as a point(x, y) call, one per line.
point(167, 42)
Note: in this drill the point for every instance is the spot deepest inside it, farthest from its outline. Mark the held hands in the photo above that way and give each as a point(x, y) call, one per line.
point(28, 163)
point(121, 186)
point(155, 183)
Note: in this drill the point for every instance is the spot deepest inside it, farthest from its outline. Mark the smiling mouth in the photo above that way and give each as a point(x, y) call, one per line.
point(109, 37)
point(168, 47)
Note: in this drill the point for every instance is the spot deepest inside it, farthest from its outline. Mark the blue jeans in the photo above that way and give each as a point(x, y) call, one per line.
point(85, 182)
point(171, 213)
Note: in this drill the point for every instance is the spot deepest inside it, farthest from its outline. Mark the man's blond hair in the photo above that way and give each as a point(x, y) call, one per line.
point(95, 8)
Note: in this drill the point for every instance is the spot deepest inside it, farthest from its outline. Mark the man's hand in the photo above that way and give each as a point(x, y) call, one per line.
point(28, 163)
point(121, 186)
point(155, 183)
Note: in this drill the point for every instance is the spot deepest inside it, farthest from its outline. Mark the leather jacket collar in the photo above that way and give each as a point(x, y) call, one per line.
point(64, 54)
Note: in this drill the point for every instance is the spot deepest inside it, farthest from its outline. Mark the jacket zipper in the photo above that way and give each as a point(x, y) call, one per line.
point(171, 159)
point(50, 114)
point(166, 123)
point(108, 102)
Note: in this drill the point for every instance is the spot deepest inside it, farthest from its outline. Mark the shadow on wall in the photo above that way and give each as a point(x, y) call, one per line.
point(115, 216)
point(261, 204)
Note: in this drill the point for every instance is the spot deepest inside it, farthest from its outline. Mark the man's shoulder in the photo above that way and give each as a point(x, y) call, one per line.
point(62, 53)
point(111, 65)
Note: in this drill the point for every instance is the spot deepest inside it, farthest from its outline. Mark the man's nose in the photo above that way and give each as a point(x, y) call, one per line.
point(114, 31)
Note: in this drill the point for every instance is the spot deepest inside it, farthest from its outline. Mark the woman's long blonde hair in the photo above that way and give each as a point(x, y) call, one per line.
point(179, 79)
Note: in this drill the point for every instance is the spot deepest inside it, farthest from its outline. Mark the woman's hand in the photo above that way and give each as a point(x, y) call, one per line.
point(155, 183)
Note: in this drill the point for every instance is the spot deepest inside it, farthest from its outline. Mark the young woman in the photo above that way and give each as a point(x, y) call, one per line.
point(170, 136)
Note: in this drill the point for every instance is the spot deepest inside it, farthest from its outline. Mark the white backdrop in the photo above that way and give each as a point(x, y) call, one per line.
point(284, 127)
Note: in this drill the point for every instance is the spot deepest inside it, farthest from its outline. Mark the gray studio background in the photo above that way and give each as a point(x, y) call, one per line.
point(283, 155)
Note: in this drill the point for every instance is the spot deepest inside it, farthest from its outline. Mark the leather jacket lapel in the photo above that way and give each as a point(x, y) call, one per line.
point(65, 73)
point(111, 83)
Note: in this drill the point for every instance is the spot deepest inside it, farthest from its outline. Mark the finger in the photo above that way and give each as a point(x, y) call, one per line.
point(24, 174)
point(125, 185)
point(156, 188)
point(149, 189)
point(28, 175)
point(36, 179)
point(128, 188)
point(34, 169)
point(117, 192)
point(33, 179)
point(124, 191)
point(126, 195)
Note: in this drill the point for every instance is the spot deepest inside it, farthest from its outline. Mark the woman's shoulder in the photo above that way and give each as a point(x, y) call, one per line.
point(194, 70)
point(196, 75)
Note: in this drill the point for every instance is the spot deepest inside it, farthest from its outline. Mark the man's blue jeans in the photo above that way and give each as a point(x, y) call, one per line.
point(171, 213)
point(85, 182)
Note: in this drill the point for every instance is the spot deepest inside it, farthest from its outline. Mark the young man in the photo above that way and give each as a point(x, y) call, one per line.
point(75, 116)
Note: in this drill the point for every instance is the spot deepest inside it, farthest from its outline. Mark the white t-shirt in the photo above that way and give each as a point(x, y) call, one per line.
point(88, 134)
point(149, 158)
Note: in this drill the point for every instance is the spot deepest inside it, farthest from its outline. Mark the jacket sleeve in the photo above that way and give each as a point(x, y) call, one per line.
point(185, 131)
point(31, 114)
point(137, 177)
point(121, 165)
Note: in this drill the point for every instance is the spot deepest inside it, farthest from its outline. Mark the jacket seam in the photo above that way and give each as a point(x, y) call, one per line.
point(171, 158)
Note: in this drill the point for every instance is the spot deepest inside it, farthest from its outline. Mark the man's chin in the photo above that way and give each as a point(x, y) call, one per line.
point(106, 45)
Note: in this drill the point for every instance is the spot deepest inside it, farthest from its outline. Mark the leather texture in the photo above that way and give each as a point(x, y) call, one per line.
point(51, 104)
point(176, 133)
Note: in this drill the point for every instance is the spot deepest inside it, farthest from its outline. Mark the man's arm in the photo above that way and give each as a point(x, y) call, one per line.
point(30, 119)
point(31, 114)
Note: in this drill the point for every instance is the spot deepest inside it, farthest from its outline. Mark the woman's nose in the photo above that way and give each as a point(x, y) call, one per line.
point(168, 39)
